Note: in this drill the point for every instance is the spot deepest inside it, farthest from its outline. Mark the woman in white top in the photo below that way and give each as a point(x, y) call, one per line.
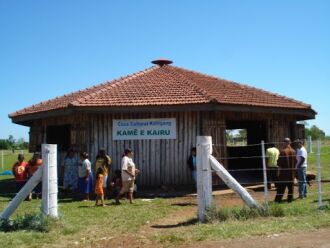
point(128, 174)
point(85, 181)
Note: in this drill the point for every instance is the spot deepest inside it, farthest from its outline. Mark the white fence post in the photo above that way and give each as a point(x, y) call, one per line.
point(204, 176)
point(309, 144)
point(264, 173)
point(318, 159)
point(2, 165)
point(49, 179)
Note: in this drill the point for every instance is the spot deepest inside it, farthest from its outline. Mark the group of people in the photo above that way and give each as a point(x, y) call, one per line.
point(284, 165)
point(79, 177)
point(83, 178)
point(23, 170)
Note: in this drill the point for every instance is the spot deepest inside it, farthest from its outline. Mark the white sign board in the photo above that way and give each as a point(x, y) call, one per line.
point(142, 129)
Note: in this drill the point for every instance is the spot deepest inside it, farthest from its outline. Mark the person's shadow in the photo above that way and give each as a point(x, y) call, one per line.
point(185, 223)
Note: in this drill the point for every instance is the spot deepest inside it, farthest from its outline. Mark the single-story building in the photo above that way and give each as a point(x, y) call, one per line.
point(158, 112)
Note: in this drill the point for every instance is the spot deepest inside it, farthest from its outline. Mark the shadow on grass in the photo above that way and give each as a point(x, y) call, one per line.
point(185, 223)
point(67, 200)
point(184, 204)
point(7, 188)
point(92, 206)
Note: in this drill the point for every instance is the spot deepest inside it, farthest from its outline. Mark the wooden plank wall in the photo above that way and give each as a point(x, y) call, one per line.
point(36, 136)
point(162, 162)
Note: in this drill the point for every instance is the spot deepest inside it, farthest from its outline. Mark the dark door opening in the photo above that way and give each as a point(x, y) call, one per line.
point(59, 135)
point(245, 161)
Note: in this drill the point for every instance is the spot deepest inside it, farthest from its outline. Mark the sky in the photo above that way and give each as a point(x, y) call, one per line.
point(50, 48)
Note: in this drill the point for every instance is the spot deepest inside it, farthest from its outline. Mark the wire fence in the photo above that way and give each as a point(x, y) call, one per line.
point(244, 169)
point(246, 175)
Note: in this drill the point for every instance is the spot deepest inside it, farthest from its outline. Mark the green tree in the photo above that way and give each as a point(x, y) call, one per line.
point(4, 145)
point(242, 133)
point(314, 132)
point(11, 140)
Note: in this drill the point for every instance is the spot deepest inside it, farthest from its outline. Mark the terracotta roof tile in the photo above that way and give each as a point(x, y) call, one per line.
point(165, 85)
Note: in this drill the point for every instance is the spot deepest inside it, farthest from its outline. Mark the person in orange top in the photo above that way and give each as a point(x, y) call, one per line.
point(99, 187)
point(20, 172)
point(34, 163)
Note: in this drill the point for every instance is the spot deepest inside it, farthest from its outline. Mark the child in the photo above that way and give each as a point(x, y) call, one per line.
point(116, 183)
point(99, 187)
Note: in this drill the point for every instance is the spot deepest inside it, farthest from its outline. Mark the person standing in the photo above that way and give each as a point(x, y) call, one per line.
point(70, 165)
point(20, 172)
point(301, 168)
point(116, 183)
point(85, 180)
point(272, 154)
point(286, 165)
point(103, 161)
point(34, 164)
point(192, 165)
point(128, 174)
point(99, 187)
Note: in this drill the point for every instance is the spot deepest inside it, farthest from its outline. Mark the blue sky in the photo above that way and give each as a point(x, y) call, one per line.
point(49, 48)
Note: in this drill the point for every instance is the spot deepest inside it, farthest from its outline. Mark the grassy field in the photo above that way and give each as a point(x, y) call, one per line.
point(161, 222)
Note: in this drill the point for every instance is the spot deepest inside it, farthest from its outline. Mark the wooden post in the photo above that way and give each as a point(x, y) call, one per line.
point(264, 172)
point(318, 159)
point(2, 165)
point(49, 180)
point(309, 144)
point(204, 176)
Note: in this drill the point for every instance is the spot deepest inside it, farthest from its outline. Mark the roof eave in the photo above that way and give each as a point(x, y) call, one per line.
point(301, 114)
point(27, 119)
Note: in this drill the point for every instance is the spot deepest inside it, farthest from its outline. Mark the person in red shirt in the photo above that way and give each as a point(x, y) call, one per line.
point(34, 163)
point(20, 172)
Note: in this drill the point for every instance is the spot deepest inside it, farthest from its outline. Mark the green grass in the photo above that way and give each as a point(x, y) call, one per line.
point(83, 223)
point(324, 159)
point(236, 222)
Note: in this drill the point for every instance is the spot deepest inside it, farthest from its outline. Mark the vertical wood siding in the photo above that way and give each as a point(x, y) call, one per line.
point(160, 161)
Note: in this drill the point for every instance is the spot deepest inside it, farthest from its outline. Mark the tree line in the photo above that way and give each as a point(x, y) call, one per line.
point(240, 135)
point(316, 133)
point(11, 143)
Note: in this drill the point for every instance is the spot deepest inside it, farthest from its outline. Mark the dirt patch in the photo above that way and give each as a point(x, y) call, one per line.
point(307, 239)
point(179, 220)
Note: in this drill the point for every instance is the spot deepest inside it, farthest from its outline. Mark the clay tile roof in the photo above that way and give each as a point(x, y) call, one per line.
point(165, 85)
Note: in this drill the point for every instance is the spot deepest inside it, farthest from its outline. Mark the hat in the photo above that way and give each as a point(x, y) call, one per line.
point(287, 140)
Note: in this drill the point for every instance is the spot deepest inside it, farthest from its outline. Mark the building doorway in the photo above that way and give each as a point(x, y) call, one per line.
point(244, 157)
point(60, 135)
